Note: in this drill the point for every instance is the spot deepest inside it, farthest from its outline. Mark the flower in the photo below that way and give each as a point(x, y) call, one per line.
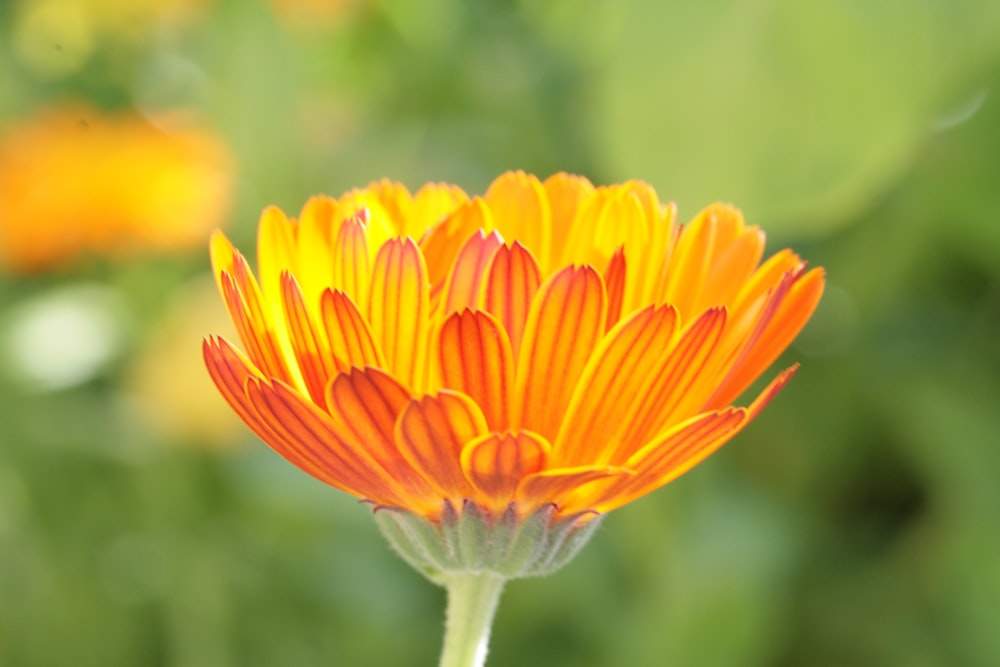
point(74, 181)
point(550, 347)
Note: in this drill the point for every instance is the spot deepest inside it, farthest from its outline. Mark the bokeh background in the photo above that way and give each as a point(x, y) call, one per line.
point(856, 523)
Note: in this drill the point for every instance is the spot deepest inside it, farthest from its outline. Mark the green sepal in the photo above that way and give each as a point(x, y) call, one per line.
point(470, 540)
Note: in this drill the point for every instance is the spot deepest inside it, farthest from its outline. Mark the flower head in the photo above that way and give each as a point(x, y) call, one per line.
point(548, 345)
point(74, 181)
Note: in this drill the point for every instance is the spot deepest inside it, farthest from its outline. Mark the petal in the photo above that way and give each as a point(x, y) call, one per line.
point(497, 462)
point(306, 436)
point(433, 202)
point(466, 276)
point(229, 370)
point(566, 193)
point(431, 433)
point(521, 211)
point(309, 345)
point(364, 405)
point(672, 381)
point(511, 281)
point(276, 252)
point(475, 358)
point(614, 278)
point(399, 309)
point(566, 321)
point(672, 454)
point(791, 315)
point(559, 485)
point(624, 364)
point(688, 266)
point(351, 265)
point(441, 243)
point(347, 333)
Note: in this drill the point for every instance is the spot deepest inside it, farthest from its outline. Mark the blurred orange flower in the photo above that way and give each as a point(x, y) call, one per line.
point(548, 344)
point(74, 181)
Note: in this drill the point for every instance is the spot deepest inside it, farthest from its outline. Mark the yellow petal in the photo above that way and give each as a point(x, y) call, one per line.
point(399, 309)
point(441, 243)
point(351, 264)
point(520, 210)
point(566, 194)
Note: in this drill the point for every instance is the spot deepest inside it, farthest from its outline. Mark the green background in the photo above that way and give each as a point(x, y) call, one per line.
point(857, 522)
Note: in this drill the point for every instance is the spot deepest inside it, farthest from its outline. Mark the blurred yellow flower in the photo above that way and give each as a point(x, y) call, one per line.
point(547, 344)
point(74, 181)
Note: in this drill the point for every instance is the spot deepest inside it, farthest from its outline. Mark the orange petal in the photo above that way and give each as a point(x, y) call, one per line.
point(475, 358)
point(431, 433)
point(229, 370)
point(521, 211)
point(399, 309)
point(364, 405)
point(308, 437)
point(688, 267)
point(672, 454)
point(511, 281)
point(431, 204)
point(790, 317)
point(350, 339)
point(443, 241)
point(614, 278)
point(309, 344)
point(466, 277)
point(497, 462)
point(565, 322)
point(559, 485)
point(622, 367)
point(673, 380)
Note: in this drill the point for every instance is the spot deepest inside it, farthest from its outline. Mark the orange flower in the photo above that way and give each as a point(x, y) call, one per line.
point(548, 344)
point(73, 181)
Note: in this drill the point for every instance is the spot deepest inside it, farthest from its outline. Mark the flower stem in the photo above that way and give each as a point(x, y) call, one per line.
point(472, 602)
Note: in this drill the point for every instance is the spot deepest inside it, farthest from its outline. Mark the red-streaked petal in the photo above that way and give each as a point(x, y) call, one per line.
point(614, 278)
point(672, 454)
point(306, 435)
point(496, 463)
point(565, 322)
point(560, 485)
point(465, 280)
point(350, 339)
point(364, 405)
point(431, 433)
point(443, 241)
point(351, 265)
point(475, 358)
point(521, 211)
point(792, 313)
point(229, 370)
point(511, 281)
point(399, 309)
point(612, 385)
point(255, 330)
point(672, 381)
point(309, 344)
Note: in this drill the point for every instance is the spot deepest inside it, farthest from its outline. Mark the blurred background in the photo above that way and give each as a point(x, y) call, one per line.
point(857, 522)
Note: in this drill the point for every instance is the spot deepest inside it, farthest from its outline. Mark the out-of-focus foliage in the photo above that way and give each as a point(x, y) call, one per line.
point(853, 524)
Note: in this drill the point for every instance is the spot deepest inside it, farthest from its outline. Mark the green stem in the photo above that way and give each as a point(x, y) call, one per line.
point(472, 602)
